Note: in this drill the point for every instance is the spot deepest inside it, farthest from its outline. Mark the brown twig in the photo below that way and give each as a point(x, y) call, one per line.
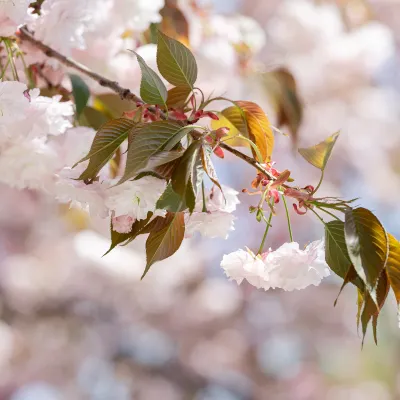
point(125, 94)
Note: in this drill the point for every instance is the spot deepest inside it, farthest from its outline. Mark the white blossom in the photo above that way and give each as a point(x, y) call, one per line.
point(291, 268)
point(13, 103)
point(137, 14)
point(13, 13)
point(74, 145)
point(209, 224)
point(27, 159)
point(56, 113)
point(243, 264)
point(218, 220)
point(288, 267)
point(225, 200)
point(62, 23)
point(239, 30)
point(136, 198)
point(90, 198)
point(28, 164)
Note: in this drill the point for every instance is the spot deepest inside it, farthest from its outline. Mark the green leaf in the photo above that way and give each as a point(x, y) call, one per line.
point(137, 228)
point(106, 142)
point(165, 238)
point(367, 245)
point(393, 266)
point(319, 154)
point(188, 175)
point(170, 201)
point(164, 157)
point(336, 254)
point(177, 96)
point(176, 62)
point(81, 93)
point(152, 88)
point(151, 139)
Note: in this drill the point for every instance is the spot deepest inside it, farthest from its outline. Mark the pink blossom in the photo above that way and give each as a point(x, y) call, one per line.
point(122, 223)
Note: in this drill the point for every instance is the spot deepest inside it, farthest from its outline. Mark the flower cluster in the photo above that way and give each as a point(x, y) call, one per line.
point(288, 267)
point(39, 145)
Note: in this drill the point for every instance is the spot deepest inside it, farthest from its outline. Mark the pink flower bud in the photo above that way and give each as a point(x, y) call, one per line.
point(178, 115)
point(219, 152)
point(209, 139)
point(221, 132)
point(212, 115)
point(198, 114)
point(129, 114)
point(275, 194)
point(309, 188)
point(297, 210)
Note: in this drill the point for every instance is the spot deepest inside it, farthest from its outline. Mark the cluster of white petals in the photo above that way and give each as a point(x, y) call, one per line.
point(217, 220)
point(288, 267)
point(68, 25)
point(28, 159)
point(136, 198)
point(39, 146)
point(13, 13)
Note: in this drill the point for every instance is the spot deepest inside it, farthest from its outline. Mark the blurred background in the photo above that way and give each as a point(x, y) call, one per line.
point(75, 325)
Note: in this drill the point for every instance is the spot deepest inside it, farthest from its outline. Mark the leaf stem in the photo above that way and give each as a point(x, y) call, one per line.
point(320, 182)
point(288, 218)
point(11, 59)
point(266, 231)
point(329, 213)
point(318, 216)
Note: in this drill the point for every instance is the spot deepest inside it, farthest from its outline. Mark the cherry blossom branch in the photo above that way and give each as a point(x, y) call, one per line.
point(125, 94)
point(247, 159)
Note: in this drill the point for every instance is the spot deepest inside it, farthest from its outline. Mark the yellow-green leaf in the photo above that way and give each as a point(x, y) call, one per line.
point(393, 266)
point(233, 119)
point(175, 62)
point(319, 154)
point(249, 120)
